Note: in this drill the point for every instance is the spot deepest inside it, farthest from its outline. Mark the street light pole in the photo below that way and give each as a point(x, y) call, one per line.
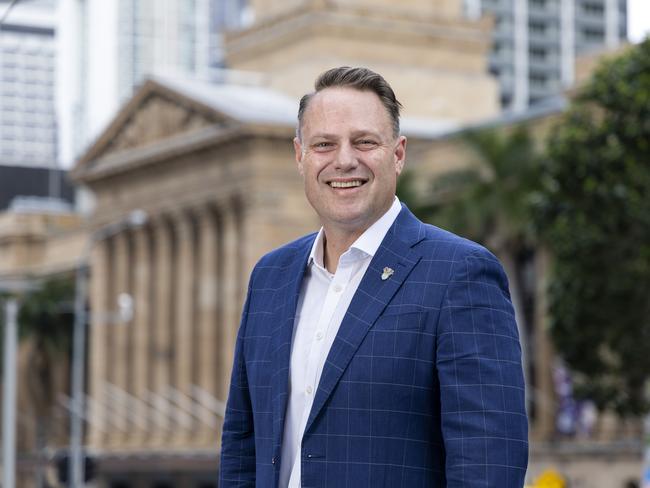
point(9, 394)
point(76, 463)
point(135, 219)
point(14, 288)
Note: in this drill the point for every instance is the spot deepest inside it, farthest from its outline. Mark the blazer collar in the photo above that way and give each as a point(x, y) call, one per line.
point(374, 293)
point(394, 252)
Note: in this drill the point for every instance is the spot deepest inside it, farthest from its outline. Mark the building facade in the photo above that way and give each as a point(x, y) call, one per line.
point(536, 42)
point(27, 85)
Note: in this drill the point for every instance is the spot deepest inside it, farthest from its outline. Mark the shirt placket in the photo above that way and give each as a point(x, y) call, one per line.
point(337, 286)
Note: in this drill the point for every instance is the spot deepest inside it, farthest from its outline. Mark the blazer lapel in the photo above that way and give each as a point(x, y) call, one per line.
point(281, 336)
point(372, 296)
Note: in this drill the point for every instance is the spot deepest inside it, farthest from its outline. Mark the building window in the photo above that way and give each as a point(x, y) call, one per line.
point(538, 80)
point(500, 21)
point(593, 8)
point(537, 27)
point(593, 35)
point(537, 53)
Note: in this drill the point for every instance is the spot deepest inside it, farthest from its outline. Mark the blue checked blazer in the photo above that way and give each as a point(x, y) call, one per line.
point(423, 385)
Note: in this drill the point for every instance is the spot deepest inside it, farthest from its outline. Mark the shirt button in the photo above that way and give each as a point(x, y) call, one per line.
point(338, 288)
point(309, 390)
point(319, 336)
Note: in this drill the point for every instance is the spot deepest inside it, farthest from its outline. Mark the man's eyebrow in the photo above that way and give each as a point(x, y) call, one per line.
point(323, 135)
point(361, 133)
point(354, 134)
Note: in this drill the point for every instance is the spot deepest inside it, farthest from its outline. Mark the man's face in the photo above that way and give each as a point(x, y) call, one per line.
point(349, 158)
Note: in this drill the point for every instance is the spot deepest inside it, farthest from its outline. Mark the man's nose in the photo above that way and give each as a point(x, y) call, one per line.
point(346, 158)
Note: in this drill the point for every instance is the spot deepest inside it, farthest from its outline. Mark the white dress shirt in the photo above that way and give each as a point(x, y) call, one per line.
point(323, 302)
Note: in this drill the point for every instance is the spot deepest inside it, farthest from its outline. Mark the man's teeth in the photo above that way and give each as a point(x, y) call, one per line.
point(345, 184)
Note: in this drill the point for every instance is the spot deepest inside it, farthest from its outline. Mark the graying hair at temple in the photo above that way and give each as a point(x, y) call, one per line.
point(362, 79)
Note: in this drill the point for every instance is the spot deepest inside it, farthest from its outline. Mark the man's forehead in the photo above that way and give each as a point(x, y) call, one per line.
point(336, 95)
point(345, 101)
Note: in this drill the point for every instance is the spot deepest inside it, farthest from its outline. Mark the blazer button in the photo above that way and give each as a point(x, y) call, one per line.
point(273, 461)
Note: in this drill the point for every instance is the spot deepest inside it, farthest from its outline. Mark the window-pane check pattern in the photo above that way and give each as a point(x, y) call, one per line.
point(422, 387)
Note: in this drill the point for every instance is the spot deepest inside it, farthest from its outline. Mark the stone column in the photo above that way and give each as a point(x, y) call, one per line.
point(118, 360)
point(100, 279)
point(162, 310)
point(231, 308)
point(141, 330)
point(207, 339)
point(184, 325)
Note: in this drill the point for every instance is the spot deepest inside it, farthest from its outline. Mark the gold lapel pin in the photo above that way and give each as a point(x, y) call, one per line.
point(387, 273)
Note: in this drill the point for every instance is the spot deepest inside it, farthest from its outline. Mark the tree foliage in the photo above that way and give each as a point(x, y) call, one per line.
point(46, 315)
point(489, 203)
point(595, 216)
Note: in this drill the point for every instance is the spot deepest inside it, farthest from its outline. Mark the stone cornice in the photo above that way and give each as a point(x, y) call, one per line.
point(131, 159)
point(289, 28)
point(171, 147)
point(149, 89)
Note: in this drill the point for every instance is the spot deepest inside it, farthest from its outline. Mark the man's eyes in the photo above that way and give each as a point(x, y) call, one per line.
point(322, 146)
point(360, 143)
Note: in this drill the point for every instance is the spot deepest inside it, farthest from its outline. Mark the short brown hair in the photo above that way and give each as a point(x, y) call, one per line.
point(362, 79)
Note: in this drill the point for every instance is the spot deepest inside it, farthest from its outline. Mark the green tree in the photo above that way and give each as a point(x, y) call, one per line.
point(45, 331)
point(596, 220)
point(45, 319)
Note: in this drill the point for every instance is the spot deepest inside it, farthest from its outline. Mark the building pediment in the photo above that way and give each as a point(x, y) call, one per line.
point(167, 115)
point(155, 113)
point(157, 118)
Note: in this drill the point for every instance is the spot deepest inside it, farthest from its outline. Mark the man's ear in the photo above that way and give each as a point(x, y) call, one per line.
point(400, 154)
point(297, 147)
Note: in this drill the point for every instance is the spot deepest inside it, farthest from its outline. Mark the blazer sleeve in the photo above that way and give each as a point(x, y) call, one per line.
point(238, 436)
point(483, 413)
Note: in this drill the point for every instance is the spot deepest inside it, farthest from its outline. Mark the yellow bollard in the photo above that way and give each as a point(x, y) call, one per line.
point(550, 478)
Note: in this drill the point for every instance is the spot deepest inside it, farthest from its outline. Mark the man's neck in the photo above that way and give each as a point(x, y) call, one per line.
point(337, 239)
point(335, 244)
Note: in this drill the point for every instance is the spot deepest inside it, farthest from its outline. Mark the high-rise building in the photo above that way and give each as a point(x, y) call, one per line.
point(27, 85)
point(108, 48)
point(28, 142)
point(535, 42)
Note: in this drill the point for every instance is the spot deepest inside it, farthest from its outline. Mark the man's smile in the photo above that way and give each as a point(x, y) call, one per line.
point(350, 183)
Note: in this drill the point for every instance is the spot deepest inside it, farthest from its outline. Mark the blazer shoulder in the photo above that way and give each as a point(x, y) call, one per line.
point(455, 246)
point(284, 256)
point(432, 241)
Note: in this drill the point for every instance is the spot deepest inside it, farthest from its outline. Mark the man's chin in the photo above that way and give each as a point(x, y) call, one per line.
point(350, 221)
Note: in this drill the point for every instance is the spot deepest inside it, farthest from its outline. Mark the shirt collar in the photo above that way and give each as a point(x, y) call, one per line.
point(368, 242)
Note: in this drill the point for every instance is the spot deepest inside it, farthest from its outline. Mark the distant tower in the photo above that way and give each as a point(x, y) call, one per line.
point(111, 46)
point(535, 42)
point(27, 85)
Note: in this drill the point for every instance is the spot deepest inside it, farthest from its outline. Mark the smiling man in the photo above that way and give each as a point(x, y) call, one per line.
point(380, 351)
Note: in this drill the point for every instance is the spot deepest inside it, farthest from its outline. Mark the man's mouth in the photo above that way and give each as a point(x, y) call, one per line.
point(346, 184)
